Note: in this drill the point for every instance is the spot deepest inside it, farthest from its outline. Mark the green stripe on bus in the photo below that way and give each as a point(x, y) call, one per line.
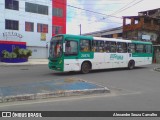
point(141, 42)
point(142, 54)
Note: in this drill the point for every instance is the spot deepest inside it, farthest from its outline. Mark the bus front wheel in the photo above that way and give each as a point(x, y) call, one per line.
point(131, 65)
point(85, 68)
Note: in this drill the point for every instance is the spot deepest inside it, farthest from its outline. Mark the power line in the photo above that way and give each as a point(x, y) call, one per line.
point(88, 10)
point(100, 4)
point(121, 9)
point(127, 7)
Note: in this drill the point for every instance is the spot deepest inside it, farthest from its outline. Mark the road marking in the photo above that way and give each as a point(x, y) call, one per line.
point(59, 99)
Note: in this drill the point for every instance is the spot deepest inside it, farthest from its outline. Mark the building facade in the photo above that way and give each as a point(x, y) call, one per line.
point(141, 28)
point(109, 33)
point(32, 22)
point(145, 26)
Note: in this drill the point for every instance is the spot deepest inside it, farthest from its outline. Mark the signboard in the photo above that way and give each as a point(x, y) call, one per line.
point(12, 35)
point(43, 36)
point(146, 37)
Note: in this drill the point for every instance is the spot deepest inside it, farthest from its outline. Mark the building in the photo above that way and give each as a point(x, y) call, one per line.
point(109, 33)
point(154, 13)
point(141, 28)
point(33, 22)
point(145, 26)
point(59, 17)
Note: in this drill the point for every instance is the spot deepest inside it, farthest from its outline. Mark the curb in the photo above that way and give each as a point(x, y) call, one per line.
point(157, 69)
point(66, 93)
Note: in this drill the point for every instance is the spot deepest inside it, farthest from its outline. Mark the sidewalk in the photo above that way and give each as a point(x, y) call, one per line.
point(30, 62)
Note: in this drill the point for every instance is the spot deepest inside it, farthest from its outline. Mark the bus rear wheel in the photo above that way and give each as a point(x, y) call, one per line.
point(131, 65)
point(85, 68)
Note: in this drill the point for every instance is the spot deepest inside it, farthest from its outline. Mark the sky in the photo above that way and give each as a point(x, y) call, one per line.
point(96, 15)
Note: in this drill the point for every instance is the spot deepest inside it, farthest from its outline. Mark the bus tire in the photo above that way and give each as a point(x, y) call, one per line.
point(131, 65)
point(85, 68)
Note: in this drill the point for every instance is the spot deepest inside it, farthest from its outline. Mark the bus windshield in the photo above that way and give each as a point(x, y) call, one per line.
point(55, 47)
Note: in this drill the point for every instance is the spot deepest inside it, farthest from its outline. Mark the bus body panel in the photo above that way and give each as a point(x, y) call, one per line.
point(98, 60)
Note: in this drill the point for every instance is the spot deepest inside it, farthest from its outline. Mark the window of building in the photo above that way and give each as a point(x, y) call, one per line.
point(85, 45)
point(121, 47)
point(71, 48)
point(29, 26)
point(12, 24)
point(12, 4)
point(136, 21)
point(108, 36)
point(35, 8)
point(57, 30)
point(42, 28)
point(57, 12)
point(98, 46)
point(43, 9)
point(119, 34)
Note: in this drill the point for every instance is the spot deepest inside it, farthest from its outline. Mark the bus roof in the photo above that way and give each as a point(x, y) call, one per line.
point(101, 38)
point(121, 40)
point(76, 36)
point(110, 39)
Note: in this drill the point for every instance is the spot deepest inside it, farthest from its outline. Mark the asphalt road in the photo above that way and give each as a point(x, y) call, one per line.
point(131, 90)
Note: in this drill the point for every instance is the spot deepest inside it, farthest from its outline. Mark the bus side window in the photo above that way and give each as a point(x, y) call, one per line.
point(71, 47)
point(101, 46)
point(148, 49)
point(113, 47)
point(139, 48)
point(107, 46)
point(131, 48)
point(121, 47)
point(98, 46)
point(94, 46)
point(85, 45)
point(68, 47)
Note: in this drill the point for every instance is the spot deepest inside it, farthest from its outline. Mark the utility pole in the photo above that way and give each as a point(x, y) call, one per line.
point(80, 28)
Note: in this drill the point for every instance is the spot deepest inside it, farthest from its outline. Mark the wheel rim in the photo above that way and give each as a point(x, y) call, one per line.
point(85, 68)
point(131, 65)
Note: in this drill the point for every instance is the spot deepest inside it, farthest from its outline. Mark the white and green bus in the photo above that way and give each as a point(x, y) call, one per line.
point(85, 53)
